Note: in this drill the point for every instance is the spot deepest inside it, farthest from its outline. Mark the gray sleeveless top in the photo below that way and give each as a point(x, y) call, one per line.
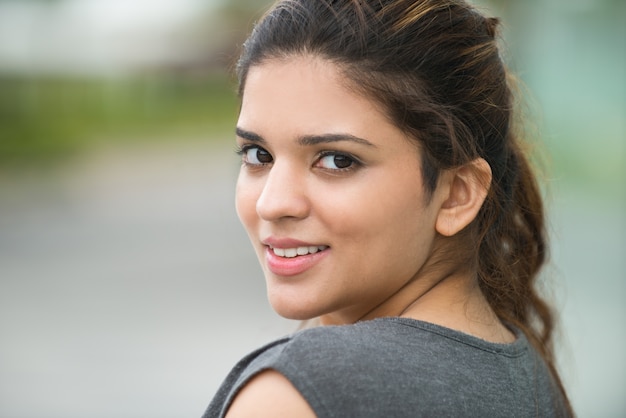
point(399, 367)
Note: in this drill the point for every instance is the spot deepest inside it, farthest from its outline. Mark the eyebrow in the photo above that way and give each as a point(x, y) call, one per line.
point(250, 136)
point(308, 140)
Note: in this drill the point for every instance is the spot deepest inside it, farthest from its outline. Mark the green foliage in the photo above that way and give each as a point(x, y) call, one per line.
point(48, 118)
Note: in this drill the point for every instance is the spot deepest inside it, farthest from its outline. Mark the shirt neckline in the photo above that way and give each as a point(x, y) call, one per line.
point(513, 349)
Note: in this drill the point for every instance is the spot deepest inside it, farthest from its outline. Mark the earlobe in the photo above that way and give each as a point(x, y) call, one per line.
point(467, 191)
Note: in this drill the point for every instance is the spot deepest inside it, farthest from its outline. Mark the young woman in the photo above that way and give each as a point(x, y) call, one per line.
point(387, 197)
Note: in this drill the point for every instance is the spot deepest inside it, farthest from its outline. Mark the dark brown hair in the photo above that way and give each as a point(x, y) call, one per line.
point(435, 67)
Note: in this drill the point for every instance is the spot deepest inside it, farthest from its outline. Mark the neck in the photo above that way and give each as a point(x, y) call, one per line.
point(459, 304)
point(453, 300)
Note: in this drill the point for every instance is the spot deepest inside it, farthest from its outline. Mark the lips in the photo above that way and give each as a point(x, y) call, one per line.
point(288, 257)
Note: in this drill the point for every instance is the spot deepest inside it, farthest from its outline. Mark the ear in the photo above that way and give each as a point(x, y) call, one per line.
point(467, 189)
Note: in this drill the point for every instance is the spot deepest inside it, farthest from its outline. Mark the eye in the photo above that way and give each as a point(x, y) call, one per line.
point(336, 161)
point(254, 155)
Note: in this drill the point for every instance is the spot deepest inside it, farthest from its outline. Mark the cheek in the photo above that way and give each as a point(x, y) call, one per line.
point(245, 202)
point(387, 217)
point(389, 200)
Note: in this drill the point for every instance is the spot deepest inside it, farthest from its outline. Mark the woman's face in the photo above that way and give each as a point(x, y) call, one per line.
point(330, 193)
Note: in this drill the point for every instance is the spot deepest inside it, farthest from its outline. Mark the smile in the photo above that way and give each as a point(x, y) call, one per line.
point(292, 261)
point(297, 251)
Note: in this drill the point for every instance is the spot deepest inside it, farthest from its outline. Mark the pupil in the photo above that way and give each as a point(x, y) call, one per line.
point(263, 156)
point(341, 161)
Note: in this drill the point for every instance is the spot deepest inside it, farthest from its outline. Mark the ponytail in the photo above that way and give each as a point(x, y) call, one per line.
point(512, 249)
point(511, 253)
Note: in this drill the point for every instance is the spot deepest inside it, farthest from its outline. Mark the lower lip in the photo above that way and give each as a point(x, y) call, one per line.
point(283, 266)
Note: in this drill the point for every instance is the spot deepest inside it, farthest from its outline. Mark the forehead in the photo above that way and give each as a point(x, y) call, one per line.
point(308, 93)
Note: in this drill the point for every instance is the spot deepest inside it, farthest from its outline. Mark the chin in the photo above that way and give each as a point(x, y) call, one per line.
point(293, 310)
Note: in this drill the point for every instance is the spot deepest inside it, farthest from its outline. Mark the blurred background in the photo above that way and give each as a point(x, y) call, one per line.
point(127, 286)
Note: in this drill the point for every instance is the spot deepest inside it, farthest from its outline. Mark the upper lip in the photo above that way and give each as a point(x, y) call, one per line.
point(275, 242)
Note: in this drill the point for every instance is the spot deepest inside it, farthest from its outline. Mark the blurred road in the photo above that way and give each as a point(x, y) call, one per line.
point(128, 288)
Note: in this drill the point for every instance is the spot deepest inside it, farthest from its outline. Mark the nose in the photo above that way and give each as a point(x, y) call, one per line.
point(283, 195)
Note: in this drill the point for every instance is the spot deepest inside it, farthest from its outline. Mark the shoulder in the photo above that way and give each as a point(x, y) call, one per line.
point(300, 375)
point(269, 394)
point(373, 368)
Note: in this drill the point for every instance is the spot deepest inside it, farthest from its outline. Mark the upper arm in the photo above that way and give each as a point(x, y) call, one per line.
point(269, 394)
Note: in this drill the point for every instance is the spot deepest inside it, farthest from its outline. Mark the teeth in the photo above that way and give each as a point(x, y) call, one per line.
point(293, 252)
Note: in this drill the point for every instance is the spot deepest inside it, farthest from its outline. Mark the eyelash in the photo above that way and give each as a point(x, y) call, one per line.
point(355, 162)
point(242, 150)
